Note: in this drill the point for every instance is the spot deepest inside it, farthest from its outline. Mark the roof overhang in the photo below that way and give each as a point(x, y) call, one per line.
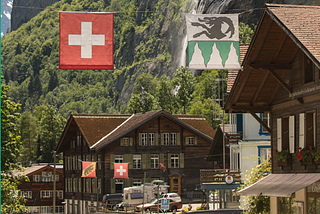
point(280, 185)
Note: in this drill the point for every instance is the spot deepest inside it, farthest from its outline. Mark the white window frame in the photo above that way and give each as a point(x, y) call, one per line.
point(166, 139)
point(136, 161)
point(118, 158)
point(151, 139)
point(173, 139)
point(137, 182)
point(144, 139)
point(191, 141)
point(174, 161)
point(37, 178)
point(126, 141)
point(155, 161)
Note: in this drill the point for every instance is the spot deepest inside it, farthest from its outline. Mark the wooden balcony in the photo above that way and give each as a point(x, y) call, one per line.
point(218, 175)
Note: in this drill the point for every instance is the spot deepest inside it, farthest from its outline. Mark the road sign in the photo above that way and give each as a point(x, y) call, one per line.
point(165, 203)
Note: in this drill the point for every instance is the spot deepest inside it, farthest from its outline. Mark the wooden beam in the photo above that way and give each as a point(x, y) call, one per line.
point(261, 122)
point(245, 109)
point(261, 41)
point(279, 47)
point(275, 90)
point(271, 66)
point(245, 78)
point(280, 80)
point(264, 78)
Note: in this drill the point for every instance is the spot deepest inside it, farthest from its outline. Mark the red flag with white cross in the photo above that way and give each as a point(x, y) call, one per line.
point(162, 166)
point(86, 41)
point(120, 171)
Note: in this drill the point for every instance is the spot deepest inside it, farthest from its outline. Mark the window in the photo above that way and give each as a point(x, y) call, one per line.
point(94, 185)
point(36, 178)
point(166, 139)
point(74, 162)
point(190, 141)
point(174, 161)
point(74, 185)
point(264, 152)
point(151, 139)
point(118, 158)
point(234, 158)
point(78, 138)
point(33, 209)
point(308, 70)
point(285, 134)
point(136, 161)
point(154, 161)
point(46, 209)
point(99, 161)
point(79, 185)
point(73, 144)
point(307, 129)
point(57, 178)
point(119, 185)
point(137, 182)
point(69, 185)
point(144, 141)
point(265, 117)
point(125, 141)
point(70, 163)
point(26, 194)
point(173, 139)
point(79, 162)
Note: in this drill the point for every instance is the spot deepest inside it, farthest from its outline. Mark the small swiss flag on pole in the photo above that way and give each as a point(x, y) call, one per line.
point(162, 166)
point(86, 41)
point(120, 171)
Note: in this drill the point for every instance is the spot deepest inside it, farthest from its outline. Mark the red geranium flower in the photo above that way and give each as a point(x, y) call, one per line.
point(310, 147)
point(300, 148)
point(275, 151)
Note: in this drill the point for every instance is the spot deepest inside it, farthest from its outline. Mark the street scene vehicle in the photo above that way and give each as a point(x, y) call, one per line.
point(152, 206)
point(174, 196)
point(111, 200)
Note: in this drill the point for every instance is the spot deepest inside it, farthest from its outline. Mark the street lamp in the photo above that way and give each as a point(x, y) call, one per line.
point(157, 182)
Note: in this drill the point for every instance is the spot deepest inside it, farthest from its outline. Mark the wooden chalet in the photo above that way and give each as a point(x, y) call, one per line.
point(281, 75)
point(38, 191)
point(143, 140)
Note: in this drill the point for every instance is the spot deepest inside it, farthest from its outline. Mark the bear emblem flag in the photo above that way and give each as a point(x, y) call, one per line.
point(213, 41)
point(86, 41)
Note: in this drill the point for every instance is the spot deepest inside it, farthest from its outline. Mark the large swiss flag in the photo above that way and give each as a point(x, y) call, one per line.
point(120, 171)
point(86, 41)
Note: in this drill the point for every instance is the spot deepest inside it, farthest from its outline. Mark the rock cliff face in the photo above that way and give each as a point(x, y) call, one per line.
point(6, 7)
point(24, 10)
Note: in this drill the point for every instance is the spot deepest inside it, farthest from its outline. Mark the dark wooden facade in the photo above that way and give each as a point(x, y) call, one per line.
point(118, 138)
point(39, 189)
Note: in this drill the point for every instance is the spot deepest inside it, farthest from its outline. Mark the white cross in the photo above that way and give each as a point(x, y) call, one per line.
point(86, 39)
point(121, 170)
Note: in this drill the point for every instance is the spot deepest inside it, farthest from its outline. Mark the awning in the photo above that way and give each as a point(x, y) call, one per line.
point(280, 185)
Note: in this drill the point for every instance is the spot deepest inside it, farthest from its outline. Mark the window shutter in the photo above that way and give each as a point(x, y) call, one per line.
point(314, 129)
point(113, 186)
point(111, 161)
point(169, 160)
point(131, 141)
point(279, 134)
point(291, 134)
point(144, 161)
point(301, 129)
point(162, 139)
point(148, 161)
point(140, 139)
point(121, 142)
point(178, 139)
point(156, 138)
point(128, 158)
point(195, 140)
point(162, 157)
point(128, 182)
point(187, 140)
point(181, 156)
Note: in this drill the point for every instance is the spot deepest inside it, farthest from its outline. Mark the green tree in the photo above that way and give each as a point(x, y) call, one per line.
point(245, 33)
point(10, 135)
point(11, 202)
point(51, 127)
point(256, 204)
point(184, 83)
point(164, 95)
point(28, 126)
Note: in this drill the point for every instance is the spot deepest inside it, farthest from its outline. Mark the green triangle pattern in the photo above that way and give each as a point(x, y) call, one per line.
point(191, 45)
point(206, 50)
point(224, 49)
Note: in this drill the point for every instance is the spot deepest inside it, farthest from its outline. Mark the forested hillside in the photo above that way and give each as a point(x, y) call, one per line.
point(148, 39)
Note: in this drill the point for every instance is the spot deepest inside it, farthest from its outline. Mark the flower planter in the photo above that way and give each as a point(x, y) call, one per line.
point(317, 162)
point(306, 163)
point(284, 163)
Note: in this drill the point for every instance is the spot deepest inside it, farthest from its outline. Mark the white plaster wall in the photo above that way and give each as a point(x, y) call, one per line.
point(248, 150)
point(251, 128)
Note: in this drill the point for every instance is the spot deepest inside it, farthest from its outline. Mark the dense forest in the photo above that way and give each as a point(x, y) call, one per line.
point(145, 61)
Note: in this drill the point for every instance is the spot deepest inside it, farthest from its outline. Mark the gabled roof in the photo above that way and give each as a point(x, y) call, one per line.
point(101, 130)
point(33, 169)
point(282, 31)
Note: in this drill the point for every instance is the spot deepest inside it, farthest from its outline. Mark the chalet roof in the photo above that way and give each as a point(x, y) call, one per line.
point(34, 168)
point(232, 74)
point(281, 32)
point(101, 130)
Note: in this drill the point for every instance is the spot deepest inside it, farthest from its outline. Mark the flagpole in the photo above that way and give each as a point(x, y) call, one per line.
point(54, 182)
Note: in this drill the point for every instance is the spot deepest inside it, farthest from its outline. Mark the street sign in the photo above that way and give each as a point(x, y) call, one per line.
point(165, 203)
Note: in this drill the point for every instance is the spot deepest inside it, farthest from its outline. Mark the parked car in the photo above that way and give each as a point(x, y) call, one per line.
point(174, 196)
point(152, 206)
point(222, 211)
point(119, 207)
